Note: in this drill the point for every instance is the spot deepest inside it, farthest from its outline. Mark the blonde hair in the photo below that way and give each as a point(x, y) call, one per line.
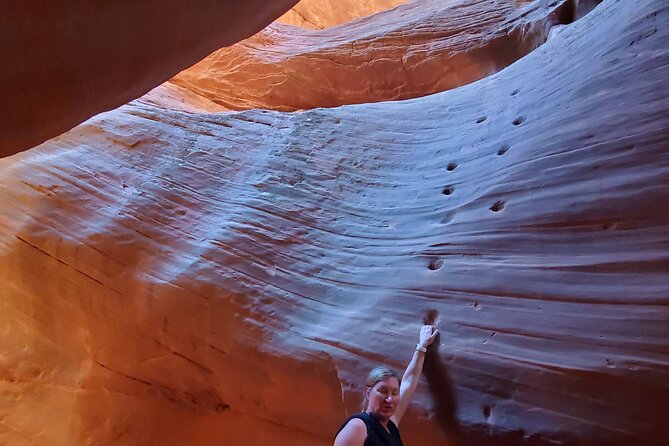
point(377, 374)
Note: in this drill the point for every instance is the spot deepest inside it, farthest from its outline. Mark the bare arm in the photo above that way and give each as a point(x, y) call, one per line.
point(353, 434)
point(413, 371)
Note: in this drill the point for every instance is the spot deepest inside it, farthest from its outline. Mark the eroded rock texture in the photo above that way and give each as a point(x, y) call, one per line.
point(319, 14)
point(415, 49)
point(181, 277)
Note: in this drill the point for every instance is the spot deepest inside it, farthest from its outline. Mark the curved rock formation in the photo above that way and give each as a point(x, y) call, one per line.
point(191, 278)
point(311, 14)
point(64, 61)
point(419, 48)
point(319, 14)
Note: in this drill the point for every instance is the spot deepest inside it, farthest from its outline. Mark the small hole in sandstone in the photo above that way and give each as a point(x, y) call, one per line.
point(451, 167)
point(481, 119)
point(552, 4)
point(610, 363)
point(497, 206)
point(448, 190)
point(502, 150)
point(519, 120)
point(431, 317)
point(486, 411)
point(515, 92)
point(448, 217)
point(435, 264)
point(476, 306)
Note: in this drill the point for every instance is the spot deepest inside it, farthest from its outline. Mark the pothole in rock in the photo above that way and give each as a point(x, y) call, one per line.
point(564, 12)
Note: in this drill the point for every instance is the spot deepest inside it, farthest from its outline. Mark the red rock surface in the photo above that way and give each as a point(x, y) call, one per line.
point(65, 60)
point(415, 49)
point(319, 14)
point(181, 277)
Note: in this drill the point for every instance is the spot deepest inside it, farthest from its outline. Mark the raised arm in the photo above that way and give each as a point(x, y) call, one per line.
point(413, 370)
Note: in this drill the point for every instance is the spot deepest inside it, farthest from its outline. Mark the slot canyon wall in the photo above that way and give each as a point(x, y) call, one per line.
point(319, 14)
point(66, 60)
point(223, 259)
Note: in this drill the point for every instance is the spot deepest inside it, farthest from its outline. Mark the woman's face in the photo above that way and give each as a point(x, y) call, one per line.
point(383, 397)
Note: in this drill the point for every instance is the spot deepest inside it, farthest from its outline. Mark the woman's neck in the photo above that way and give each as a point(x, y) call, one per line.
point(380, 419)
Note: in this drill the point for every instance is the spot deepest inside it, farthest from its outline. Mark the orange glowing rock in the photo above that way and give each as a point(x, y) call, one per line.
point(319, 14)
point(416, 49)
point(173, 276)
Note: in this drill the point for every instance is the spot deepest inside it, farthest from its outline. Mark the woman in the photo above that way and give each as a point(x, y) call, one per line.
point(386, 400)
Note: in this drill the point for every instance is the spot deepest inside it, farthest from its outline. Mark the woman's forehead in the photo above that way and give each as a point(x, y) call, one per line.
point(390, 382)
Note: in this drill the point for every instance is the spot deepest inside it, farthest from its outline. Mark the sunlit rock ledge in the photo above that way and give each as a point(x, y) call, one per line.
point(413, 50)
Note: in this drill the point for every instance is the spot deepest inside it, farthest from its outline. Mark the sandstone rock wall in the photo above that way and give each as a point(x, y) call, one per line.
point(418, 48)
point(319, 14)
point(65, 60)
point(182, 277)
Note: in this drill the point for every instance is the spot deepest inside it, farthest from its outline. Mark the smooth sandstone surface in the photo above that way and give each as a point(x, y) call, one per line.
point(174, 276)
point(415, 49)
point(64, 61)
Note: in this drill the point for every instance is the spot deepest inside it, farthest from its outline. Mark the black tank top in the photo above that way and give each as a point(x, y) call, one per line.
point(377, 435)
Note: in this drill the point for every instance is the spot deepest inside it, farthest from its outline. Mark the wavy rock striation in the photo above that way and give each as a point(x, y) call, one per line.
point(416, 49)
point(319, 14)
point(176, 278)
point(64, 61)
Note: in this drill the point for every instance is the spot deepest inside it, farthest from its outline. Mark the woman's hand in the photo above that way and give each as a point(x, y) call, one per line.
point(427, 335)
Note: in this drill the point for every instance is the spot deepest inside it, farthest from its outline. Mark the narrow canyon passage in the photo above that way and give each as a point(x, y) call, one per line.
point(176, 273)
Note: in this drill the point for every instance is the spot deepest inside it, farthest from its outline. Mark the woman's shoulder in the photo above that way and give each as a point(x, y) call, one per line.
point(352, 431)
point(358, 420)
point(355, 421)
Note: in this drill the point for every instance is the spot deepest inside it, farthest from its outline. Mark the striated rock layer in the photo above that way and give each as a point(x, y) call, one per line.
point(177, 278)
point(419, 48)
point(64, 61)
point(319, 14)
